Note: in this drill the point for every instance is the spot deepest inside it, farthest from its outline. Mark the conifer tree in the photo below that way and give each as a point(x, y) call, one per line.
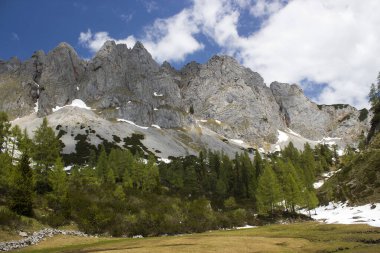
point(58, 181)
point(15, 140)
point(4, 130)
point(311, 200)
point(21, 194)
point(26, 143)
point(102, 164)
point(268, 190)
point(6, 172)
point(45, 151)
point(258, 162)
point(150, 176)
point(308, 166)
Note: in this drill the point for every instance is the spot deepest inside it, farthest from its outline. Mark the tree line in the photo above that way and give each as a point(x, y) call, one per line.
point(119, 192)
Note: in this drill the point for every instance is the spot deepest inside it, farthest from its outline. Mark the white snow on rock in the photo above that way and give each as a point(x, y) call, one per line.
point(77, 88)
point(165, 160)
point(282, 136)
point(203, 120)
point(237, 141)
point(155, 109)
point(340, 152)
point(68, 168)
point(75, 103)
point(156, 126)
point(132, 123)
point(157, 94)
point(218, 122)
point(325, 176)
point(341, 213)
point(318, 184)
point(293, 133)
point(36, 106)
point(246, 226)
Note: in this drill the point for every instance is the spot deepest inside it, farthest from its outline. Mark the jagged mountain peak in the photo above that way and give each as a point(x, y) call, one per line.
point(122, 83)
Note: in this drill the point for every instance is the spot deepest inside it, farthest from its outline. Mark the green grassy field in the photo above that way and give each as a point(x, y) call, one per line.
point(300, 237)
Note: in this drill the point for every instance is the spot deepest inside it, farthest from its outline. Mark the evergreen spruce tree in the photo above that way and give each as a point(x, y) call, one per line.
point(21, 193)
point(6, 172)
point(26, 143)
point(102, 165)
point(268, 190)
point(258, 162)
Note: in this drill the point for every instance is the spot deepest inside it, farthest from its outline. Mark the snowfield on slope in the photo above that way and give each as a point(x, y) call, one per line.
point(75, 103)
point(342, 213)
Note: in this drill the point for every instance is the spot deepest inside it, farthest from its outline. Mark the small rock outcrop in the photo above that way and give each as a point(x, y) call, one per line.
point(36, 237)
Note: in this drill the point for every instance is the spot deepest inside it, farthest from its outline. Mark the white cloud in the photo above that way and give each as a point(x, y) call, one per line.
point(95, 41)
point(150, 5)
point(329, 41)
point(127, 17)
point(324, 41)
point(266, 7)
point(15, 36)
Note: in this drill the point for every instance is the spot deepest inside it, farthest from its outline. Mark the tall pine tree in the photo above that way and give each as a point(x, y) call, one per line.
point(21, 194)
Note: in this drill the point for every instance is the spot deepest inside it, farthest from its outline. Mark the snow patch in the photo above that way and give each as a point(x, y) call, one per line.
point(329, 140)
point(293, 133)
point(203, 120)
point(237, 141)
point(157, 94)
point(75, 103)
point(246, 226)
point(341, 213)
point(36, 106)
point(282, 137)
point(68, 168)
point(340, 152)
point(325, 176)
point(77, 88)
point(132, 123)
point(156, 126)
point(165, 160)
point(155, 109)
point(318, 184)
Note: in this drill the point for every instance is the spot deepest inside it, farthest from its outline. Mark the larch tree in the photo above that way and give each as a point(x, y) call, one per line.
point(268, 190)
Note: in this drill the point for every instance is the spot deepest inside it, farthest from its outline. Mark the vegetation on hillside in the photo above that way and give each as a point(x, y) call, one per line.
point(358, 179)
point(121, 193)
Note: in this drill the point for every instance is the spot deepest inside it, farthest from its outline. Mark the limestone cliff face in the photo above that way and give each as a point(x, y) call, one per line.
point(121, 82)
point(318, 121)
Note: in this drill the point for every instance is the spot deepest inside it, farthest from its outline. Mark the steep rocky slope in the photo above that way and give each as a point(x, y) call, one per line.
point(220, 96)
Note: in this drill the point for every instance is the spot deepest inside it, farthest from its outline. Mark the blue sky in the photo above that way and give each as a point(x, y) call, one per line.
point(26, 26)
point(329, 47)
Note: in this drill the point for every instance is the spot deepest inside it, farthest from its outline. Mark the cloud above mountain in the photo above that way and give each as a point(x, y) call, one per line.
point(331, 43)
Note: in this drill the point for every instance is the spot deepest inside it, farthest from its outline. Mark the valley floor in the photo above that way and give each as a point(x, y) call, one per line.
point(300, 237)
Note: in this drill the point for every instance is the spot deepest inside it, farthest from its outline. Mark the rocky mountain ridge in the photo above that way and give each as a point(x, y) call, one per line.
point(126, 83)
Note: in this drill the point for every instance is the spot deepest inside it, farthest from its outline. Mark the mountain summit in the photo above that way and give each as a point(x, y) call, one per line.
point(220, 98)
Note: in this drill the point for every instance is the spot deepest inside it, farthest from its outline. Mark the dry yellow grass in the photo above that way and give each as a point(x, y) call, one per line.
point(304, 237)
